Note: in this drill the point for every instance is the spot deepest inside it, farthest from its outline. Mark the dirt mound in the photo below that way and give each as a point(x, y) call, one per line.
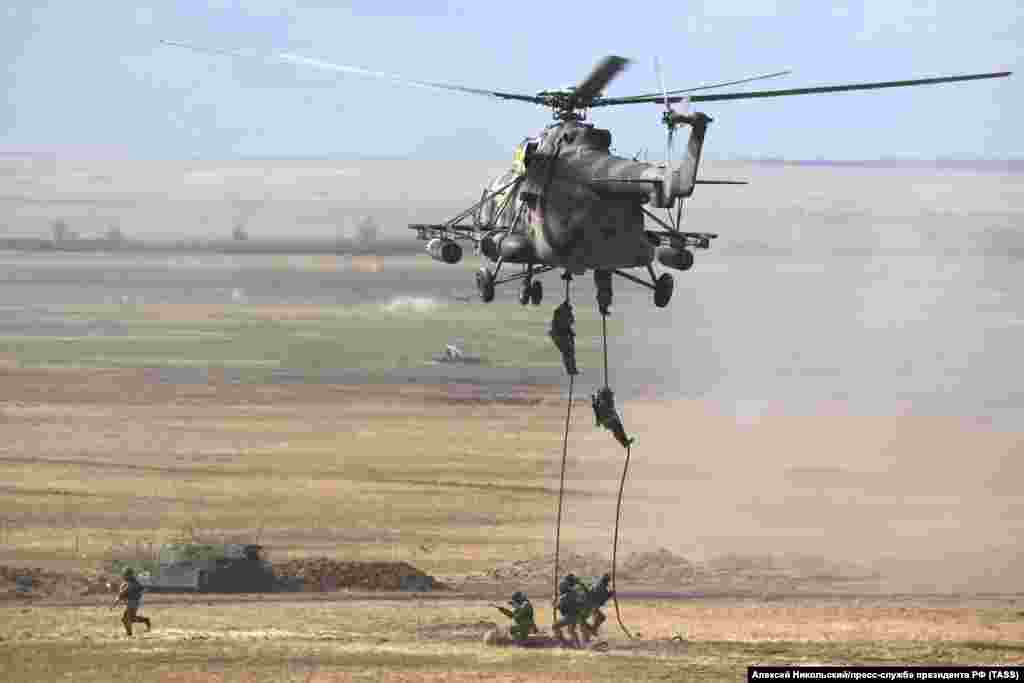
point(660, 566)
point(325, 574)
point(21, 583)
point(666, 570)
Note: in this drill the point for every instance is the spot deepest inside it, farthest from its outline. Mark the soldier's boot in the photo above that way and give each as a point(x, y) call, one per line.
point(148, 623)
point(599, 618)
point(575, 637)
point(620, 433)
point(587, 632)
point(127, 621)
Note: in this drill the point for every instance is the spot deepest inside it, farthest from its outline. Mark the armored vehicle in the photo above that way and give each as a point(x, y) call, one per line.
point(228, 568)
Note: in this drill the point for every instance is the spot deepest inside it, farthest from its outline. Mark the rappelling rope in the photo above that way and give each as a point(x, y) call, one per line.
point(615, 547)
point(622, 486)
point(561, 484)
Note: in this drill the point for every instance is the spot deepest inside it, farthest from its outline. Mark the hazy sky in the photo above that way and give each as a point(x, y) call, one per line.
point(91, 78)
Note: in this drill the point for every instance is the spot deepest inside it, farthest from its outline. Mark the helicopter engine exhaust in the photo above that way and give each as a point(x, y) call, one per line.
point(446, 251)
point(680, 259)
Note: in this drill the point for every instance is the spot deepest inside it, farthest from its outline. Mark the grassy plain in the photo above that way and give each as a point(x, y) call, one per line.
point(372, 337)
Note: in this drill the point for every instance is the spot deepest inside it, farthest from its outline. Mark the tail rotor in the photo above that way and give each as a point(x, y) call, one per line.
point(671, 118)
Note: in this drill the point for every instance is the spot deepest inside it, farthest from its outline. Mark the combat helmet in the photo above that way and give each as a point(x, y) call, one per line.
point(518, 598)
point(567, 583)
point(605, 579)
point(128, 573)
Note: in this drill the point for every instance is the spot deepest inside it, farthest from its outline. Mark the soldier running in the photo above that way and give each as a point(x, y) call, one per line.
point(130, 593)
point(522, 616)
point(597, 597)
point(569, 605)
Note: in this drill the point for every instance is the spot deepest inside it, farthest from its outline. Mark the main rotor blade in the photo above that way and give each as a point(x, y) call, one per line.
point(661, 82)
point(594, 84)
point(343, 68)
point(663, 93)
point(809, 91)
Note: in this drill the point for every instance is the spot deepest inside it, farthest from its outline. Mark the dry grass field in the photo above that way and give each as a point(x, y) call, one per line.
point(101, 463)
point(413, 640)
point(106, 462)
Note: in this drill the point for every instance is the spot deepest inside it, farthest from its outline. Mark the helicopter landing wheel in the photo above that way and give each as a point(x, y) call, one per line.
point(485, 285)
point(524, 294)
point(663, 287)
point(536, 293)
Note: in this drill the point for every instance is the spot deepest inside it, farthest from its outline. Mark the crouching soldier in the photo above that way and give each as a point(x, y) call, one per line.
point(596, 599)
point(521, 615)
point(130, 593)
point(568, 604)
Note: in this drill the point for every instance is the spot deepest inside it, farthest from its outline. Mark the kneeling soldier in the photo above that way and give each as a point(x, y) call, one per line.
point(522, 616)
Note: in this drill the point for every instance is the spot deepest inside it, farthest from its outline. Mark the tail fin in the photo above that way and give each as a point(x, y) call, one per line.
point(680, 179)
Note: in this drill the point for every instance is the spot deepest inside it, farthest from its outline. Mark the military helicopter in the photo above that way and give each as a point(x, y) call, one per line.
point(567, 202)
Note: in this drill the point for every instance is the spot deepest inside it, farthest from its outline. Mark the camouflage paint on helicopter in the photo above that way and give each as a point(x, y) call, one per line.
point(583, 205)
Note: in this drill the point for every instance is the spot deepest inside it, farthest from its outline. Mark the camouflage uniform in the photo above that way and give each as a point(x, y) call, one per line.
point(582, 590)
point(605, 415)
point(522, 616)
point(130, 593)
point(569, 605)
point(564, 337)
point(598, 596)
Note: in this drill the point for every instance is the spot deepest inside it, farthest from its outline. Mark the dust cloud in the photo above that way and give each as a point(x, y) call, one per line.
point(839, 377)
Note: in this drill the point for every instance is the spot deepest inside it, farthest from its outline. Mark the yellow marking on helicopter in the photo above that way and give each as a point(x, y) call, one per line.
point(519, 160)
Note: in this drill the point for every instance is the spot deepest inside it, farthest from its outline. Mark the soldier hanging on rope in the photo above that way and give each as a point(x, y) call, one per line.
point(605, 415)
point(563, 335)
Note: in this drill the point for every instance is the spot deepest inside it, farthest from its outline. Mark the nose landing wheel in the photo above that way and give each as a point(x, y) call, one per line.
point(485, 285)
point(663, 288)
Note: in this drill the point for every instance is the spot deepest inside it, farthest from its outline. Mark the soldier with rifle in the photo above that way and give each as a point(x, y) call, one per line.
point(130, 593)
point(521, 615)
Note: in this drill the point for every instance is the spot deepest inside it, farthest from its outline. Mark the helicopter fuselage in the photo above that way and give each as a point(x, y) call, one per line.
point(577, 206)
